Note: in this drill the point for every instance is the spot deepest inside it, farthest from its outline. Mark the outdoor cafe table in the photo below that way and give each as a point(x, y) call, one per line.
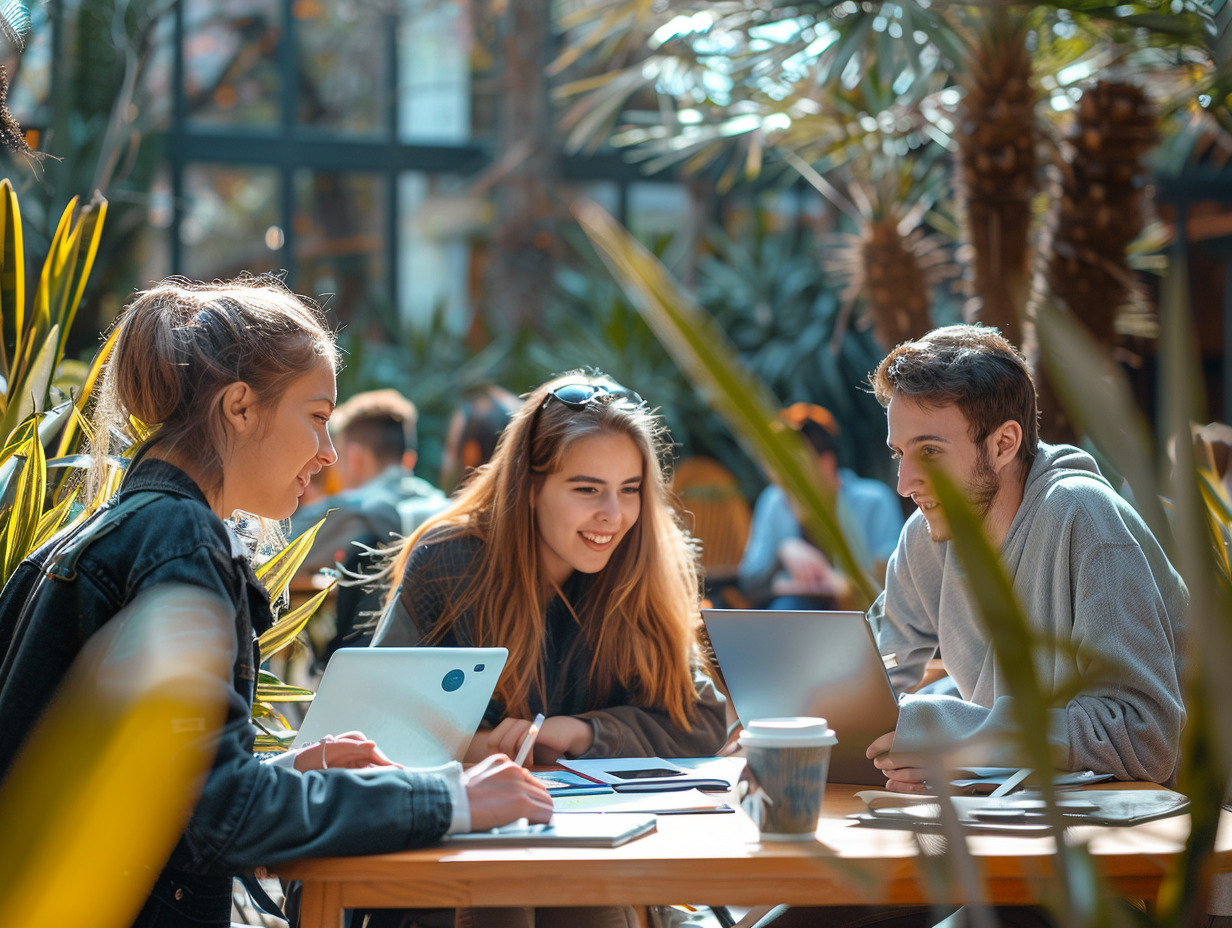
point(716, 859)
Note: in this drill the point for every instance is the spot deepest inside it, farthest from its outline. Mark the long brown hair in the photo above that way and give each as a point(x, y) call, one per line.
point(643, 622)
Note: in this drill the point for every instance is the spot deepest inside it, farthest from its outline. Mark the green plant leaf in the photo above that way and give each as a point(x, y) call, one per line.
point(705, 355)
point(12, 276)
point(53, 520)
point(90, 231)
point(276, 573)
point(288, 627)
point(52, 292)
point(263, 710)
point(29, 391)
point(17, 438)
point(1007, 628)
point(283, 692)
point(27, 509)
point(273, 742)
point(87, 389)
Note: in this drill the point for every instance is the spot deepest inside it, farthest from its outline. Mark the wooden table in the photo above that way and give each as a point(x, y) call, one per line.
point(717, 859)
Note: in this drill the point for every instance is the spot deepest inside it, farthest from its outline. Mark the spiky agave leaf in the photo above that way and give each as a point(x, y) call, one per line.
point(892, 274)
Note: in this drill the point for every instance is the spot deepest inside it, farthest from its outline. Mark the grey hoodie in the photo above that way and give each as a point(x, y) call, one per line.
point(1094, 581)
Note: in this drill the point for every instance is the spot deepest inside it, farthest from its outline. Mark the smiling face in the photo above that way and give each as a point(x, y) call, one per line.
point(940, 436)
point(583, 511)
point(278, 448)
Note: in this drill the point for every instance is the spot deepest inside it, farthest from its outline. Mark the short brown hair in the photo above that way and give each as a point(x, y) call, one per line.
point(382, 420)
point(969, 366)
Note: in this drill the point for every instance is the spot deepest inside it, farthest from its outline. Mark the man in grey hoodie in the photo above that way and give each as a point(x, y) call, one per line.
point(1087, 570)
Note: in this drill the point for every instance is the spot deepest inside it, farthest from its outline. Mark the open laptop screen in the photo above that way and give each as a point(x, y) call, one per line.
point(786, 663)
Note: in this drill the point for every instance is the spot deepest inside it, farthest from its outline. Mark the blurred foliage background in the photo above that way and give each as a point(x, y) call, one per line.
point(826, 178)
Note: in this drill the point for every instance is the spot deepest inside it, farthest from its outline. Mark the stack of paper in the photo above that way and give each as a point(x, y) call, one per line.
point(1023, 813)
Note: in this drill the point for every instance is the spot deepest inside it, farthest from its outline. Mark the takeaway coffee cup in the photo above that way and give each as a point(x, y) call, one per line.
point(788, 759)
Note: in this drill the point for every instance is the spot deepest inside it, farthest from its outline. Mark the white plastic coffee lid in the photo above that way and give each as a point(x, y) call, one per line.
point(792, 732)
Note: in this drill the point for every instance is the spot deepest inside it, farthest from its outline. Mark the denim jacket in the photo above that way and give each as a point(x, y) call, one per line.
point(159, 530)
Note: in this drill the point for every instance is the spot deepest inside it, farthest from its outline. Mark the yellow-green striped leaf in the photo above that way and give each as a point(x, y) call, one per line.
point(276, 573)
point(288, 627)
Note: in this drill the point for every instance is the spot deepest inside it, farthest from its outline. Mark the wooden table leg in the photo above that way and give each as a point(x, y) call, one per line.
point(321, 905)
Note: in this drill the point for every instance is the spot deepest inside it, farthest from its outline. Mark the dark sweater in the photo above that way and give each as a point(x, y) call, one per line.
point(437, 572)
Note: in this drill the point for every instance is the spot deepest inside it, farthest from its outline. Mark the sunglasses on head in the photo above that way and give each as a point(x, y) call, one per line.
point(579, 394)
point(582, 393)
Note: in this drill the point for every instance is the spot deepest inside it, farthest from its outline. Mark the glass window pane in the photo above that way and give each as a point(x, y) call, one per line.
point(434, 72)
point(343, 69)
point(339, 242)
point(437, 218)
point(231, 62)
point(230, 222)
point(656, 210)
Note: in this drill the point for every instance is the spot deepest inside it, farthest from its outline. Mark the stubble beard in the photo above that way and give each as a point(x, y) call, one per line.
point(980, 491)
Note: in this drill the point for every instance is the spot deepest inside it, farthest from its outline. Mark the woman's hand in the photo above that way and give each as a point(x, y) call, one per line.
point(559, 735)
point(350, 750)
point(500, 792)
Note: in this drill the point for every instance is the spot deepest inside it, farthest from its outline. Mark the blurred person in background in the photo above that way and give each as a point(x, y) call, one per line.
point(781, 567)
point(474, 427)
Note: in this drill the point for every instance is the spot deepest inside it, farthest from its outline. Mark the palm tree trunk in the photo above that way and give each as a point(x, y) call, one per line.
point(997, 170)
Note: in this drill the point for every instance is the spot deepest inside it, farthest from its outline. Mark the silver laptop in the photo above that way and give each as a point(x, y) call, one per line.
point(786, 663)
point(421, 706)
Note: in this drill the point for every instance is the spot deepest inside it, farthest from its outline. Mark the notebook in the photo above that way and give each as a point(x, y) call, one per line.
point(421, 706)
point(786, 663)
point(584, 829)
point(642, 774)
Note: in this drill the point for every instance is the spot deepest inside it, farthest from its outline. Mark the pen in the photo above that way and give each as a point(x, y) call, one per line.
point(529, 741)
point(1010, 782)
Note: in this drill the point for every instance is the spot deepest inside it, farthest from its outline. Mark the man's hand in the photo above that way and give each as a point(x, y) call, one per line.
point(500, 792)
point(804, 563)
point(350, 750)
point(559, 735)
point(902, 776)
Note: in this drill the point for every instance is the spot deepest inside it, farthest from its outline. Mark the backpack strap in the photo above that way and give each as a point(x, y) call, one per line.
point(62, 564)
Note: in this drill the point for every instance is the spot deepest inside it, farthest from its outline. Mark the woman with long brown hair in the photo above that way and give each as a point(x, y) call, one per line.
point(565, 549)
